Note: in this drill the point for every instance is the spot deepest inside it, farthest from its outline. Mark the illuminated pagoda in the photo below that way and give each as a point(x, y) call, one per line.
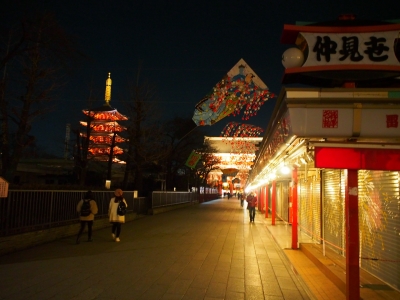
point(103, 129)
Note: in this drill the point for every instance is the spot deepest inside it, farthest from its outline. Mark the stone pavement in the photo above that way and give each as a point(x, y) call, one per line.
point(205, 251)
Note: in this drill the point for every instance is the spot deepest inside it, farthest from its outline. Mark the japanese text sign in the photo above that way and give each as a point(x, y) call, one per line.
point(351, 48)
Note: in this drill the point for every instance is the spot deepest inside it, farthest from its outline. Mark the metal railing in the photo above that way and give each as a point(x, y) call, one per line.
point(161, 198)
point(30, 210)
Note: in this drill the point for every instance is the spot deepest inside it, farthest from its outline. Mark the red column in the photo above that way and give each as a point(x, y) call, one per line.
point(294, 209)
point(261, 206)
point(273, 202)
point(352, 237)
point(266, 191)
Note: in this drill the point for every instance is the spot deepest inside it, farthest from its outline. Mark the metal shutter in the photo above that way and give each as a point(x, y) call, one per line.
point(304, 207)
point(316, 208)
point(279, 199)
point(282, 200)
point(309, 207)
point(379, 221)
point(333, 209)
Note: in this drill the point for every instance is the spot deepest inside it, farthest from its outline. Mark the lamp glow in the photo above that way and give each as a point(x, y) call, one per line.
point(285, 170)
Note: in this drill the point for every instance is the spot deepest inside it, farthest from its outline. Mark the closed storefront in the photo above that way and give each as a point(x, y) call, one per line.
point(379, 219)
point(333, 208)
point(282, 200)
point(310, 207)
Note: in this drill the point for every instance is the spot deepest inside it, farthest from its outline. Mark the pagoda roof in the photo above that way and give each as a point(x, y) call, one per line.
point(105, 112)
point(114, 125)
point(105, 158)
point(103, 146)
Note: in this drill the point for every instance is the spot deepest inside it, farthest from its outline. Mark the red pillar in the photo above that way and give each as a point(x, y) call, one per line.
point(266, 192)
point(352, 237)
point(294, 210)
point(261, 206)
point(273, 202)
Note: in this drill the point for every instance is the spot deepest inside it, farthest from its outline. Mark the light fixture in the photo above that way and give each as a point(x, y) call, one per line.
point(271, 176)
point(285, 169)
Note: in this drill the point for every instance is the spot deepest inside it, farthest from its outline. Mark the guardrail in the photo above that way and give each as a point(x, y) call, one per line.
point(161, 198)
point(31, 210)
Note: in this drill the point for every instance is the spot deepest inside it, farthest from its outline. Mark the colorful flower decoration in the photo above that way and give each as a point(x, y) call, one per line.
point(240, 90)
point(234, 129)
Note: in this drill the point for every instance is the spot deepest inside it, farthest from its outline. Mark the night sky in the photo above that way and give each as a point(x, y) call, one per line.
point(184, 48)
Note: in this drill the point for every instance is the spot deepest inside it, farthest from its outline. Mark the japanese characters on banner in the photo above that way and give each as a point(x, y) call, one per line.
point(376, 48)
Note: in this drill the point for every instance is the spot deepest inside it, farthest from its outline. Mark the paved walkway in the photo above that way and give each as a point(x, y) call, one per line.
point(205, 251)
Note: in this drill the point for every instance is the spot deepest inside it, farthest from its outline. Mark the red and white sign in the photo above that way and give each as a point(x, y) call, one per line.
point(329, 122)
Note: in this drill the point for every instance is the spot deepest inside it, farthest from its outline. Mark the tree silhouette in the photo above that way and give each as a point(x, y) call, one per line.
point(33, 54)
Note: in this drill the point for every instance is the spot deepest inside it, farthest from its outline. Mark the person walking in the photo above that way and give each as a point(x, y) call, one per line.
point(241, 198)
point(251, 204)
point(86, 208)
point(116, 219)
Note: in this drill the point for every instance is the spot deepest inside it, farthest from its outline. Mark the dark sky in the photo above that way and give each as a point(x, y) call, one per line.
point(185, 47)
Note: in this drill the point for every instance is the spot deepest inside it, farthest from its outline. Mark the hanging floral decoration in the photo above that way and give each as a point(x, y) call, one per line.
point(234, 94)
point(234, 129)
point(240, 90)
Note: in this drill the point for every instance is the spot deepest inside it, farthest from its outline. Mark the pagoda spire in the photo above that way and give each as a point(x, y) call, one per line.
point(108, 89)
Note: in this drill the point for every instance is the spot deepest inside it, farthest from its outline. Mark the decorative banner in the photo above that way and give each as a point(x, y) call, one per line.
point(193, 159)
point(240, 88)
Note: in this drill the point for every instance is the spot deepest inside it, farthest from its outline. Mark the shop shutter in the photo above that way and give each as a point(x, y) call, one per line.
point(284, 213)
point(309, 207)
point(379, 221)
point(304, 207)
point(282, 200)
point(285, 201)
point(333, 209)
point(316, 207)
point(279, 199)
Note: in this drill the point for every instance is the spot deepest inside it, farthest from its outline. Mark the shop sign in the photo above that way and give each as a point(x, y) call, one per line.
point(368, 48)
point(357, 158)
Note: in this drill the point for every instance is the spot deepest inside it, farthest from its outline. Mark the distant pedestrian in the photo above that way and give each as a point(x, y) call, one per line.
point(251, 205)
point(115, 219)
point(241, 198)
point(86, 208)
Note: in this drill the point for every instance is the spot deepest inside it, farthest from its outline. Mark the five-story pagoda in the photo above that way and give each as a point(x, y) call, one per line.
point(102, 129)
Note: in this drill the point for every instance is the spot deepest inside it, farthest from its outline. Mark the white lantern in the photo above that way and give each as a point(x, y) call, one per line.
point(292, 58)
